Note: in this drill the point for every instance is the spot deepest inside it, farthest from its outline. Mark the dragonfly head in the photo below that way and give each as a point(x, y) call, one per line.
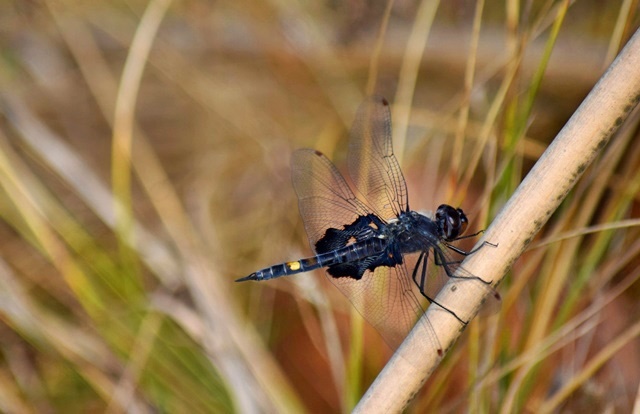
point(452, 222)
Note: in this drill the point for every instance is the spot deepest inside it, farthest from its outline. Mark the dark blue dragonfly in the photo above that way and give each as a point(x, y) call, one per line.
point(368, 243)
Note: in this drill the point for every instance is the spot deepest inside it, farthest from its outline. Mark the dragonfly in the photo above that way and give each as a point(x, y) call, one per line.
point(384, 257)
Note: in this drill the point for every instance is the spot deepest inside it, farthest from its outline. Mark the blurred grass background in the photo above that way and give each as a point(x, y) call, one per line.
point(134, 308)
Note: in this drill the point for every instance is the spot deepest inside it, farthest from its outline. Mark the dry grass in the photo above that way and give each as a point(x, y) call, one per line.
point(130, 305)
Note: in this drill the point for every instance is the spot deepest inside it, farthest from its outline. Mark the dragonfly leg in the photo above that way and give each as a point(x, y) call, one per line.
point(420, 284)
point(422, 264)
point(470, 252)
point(440, 261)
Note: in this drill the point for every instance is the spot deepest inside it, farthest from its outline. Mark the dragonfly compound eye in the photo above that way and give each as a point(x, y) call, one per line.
point(453, 222)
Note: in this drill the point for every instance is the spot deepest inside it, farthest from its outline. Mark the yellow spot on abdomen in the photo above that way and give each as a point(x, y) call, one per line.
point(293, 265)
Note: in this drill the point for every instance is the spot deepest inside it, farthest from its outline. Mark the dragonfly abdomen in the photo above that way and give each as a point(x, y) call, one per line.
point(284, 269)
point(352, 252)
point(349, 253)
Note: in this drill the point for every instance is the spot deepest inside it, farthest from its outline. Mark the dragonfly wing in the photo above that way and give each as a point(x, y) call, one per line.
point(373, 167)
point(324, 198)
point(387, 299)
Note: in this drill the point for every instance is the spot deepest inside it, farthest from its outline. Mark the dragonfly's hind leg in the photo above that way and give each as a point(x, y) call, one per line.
point(422, 264)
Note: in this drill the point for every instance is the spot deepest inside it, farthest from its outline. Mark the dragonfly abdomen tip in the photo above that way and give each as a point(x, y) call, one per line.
point(252, 276)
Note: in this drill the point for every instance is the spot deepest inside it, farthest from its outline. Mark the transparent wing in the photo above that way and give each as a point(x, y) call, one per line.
point(387, 299)
point(373, 167)
point(324, 198)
